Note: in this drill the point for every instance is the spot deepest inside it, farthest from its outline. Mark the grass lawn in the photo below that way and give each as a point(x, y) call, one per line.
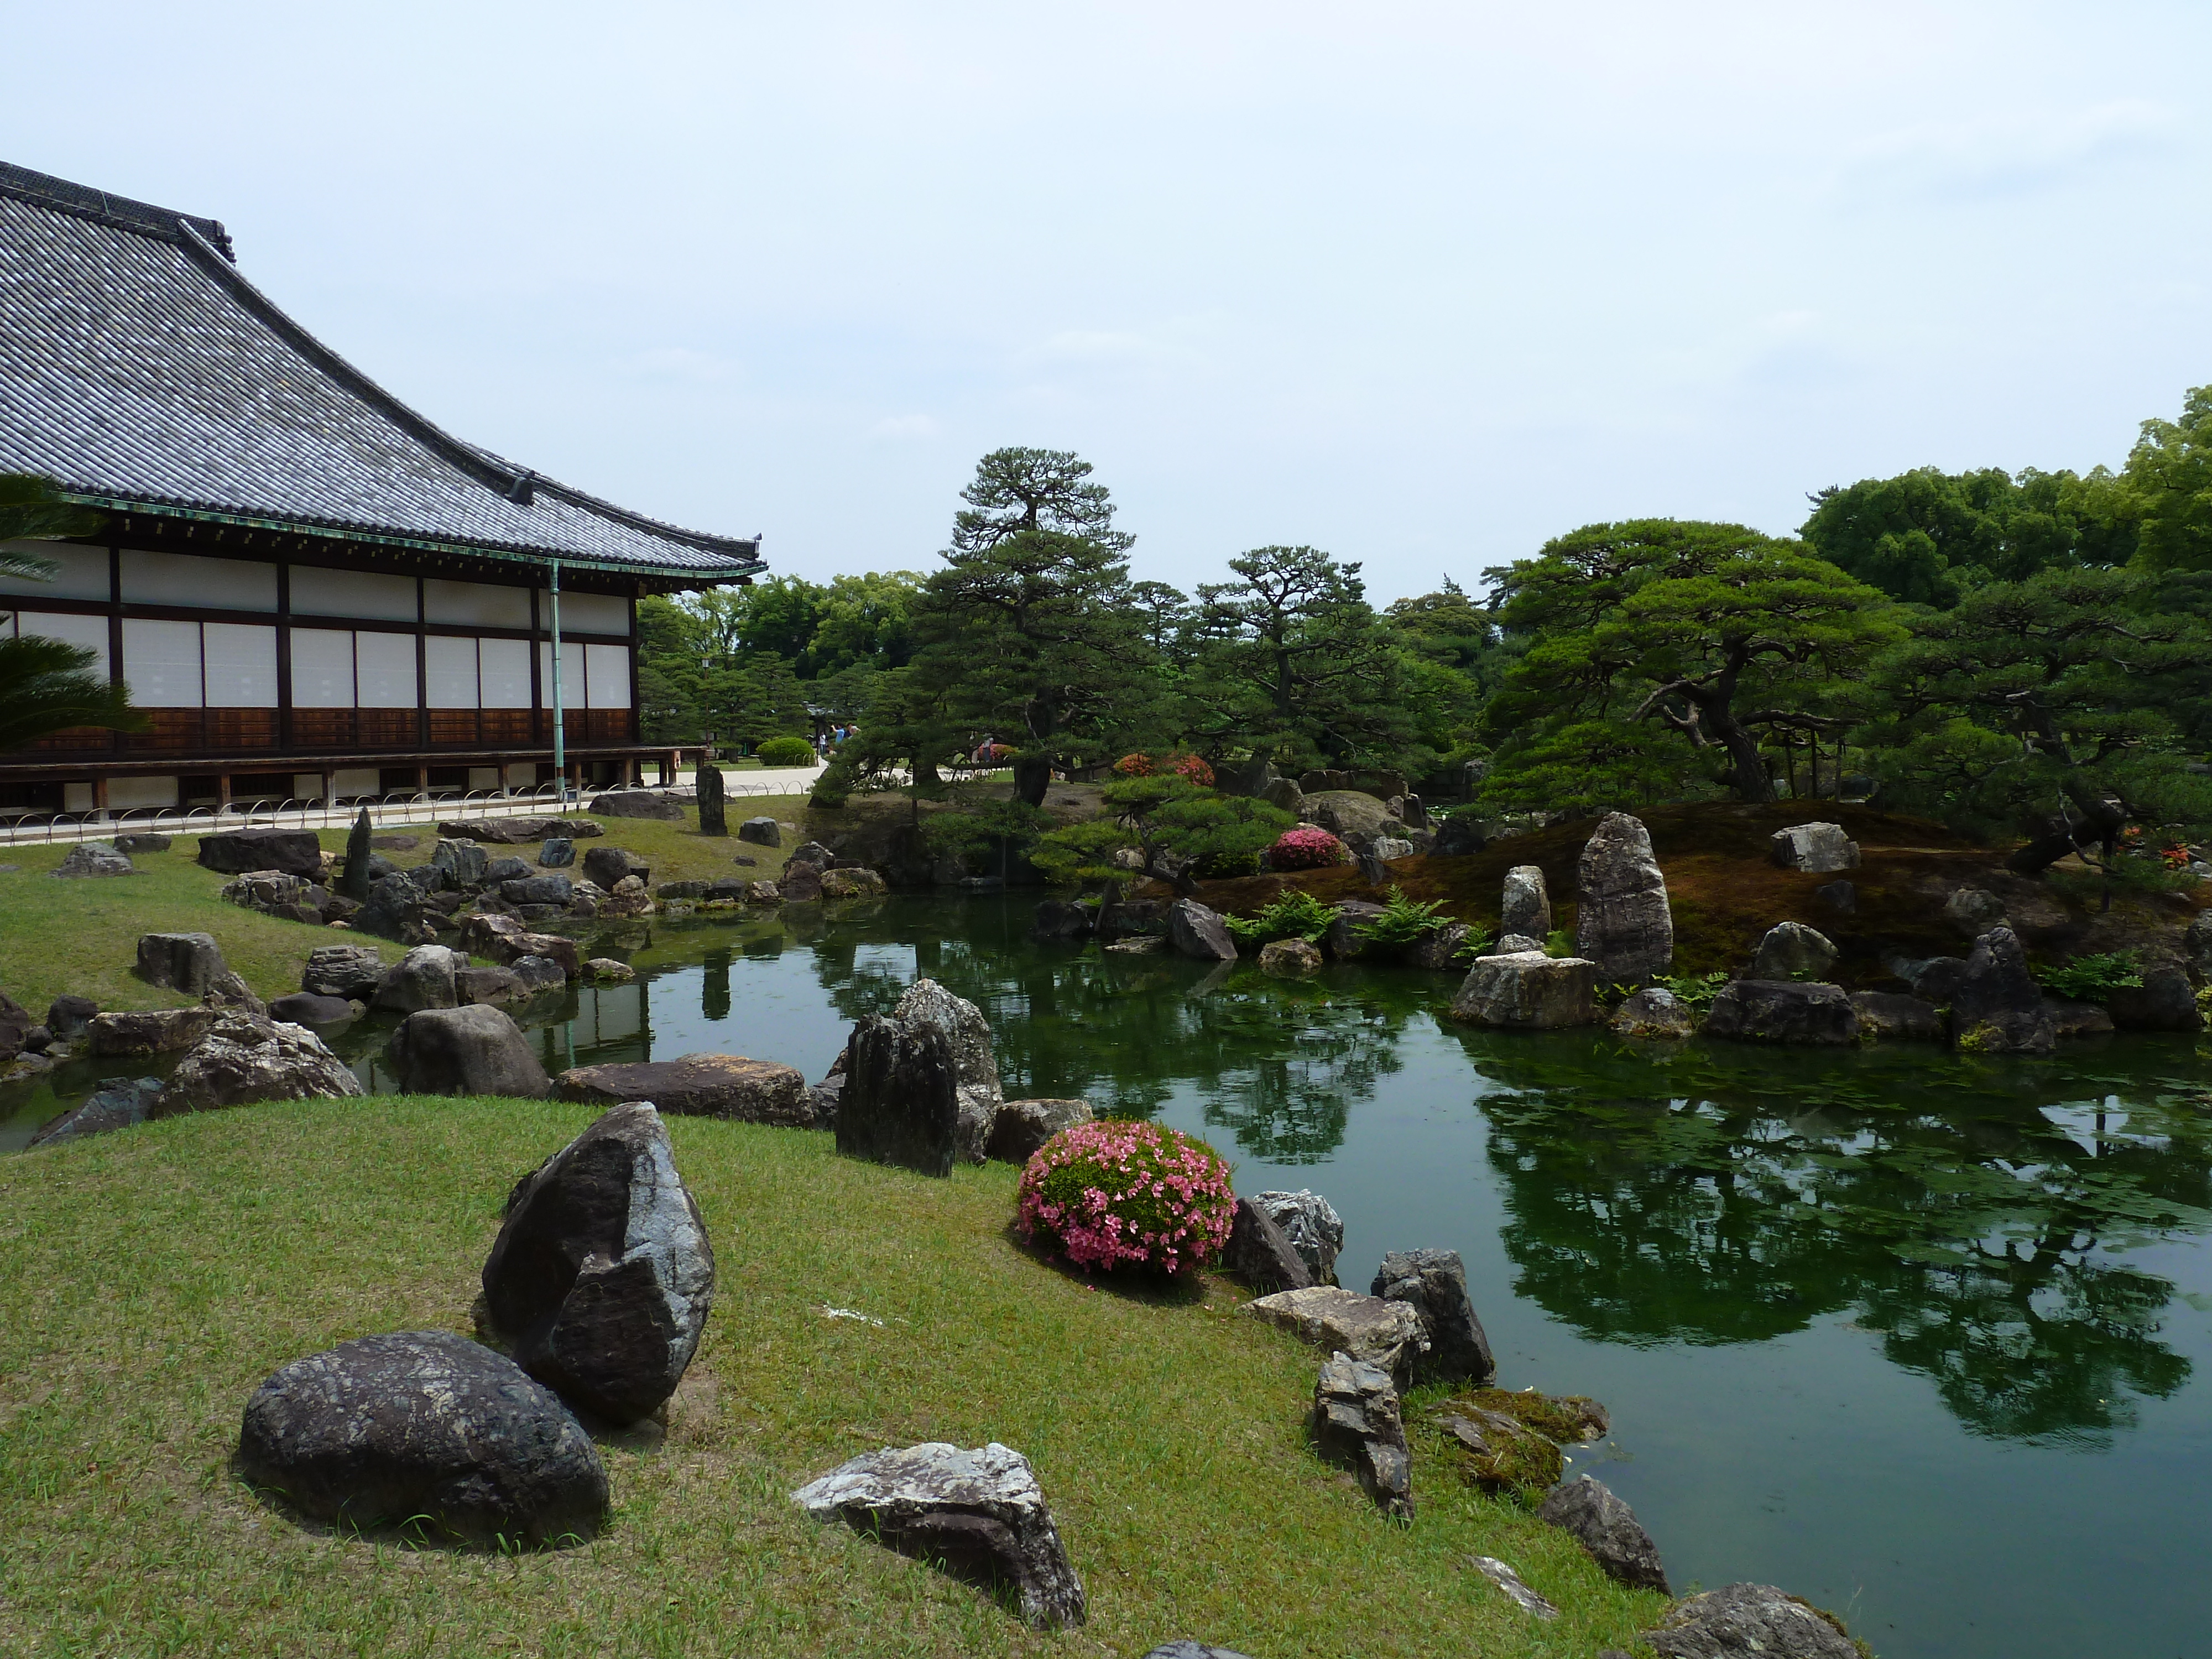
point(81, 936)
point(153, 1277)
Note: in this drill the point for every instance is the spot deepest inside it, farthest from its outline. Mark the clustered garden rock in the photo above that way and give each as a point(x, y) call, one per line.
point(246, 1057)
point(921, 1088)
point(1434, 1284)
point(1356, 1422)
point(1385, 1335)
point(1749, 1619)
point(1311, 1224)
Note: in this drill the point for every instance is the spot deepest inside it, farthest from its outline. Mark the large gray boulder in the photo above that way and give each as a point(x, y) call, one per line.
point(351, 971)
point(117, 1103)
point(1528, 991)
point(462, 863)
point(1790, 950)
point(760, 832)
point(602, 1275)
point(1023, 1126)
point(191, 962)
point(1310, 1222)
point(1356, 1423)
point(1621, 919)
point(1782, 1011)
point(1260, 1254)
point(246, 1058)
point(235, 851)
point(93, 858)
point(1998, 1008)
point(1198, 933)
point(1387, 1335)
point(978, 1514)
point(476, 1051)
point(608, 866)
point(975, 1070)
point(537, 890)
point(1816, 849)
point(515, 832)
point(157, 1031)
point(2164, 1002)
point(726, 1086)
point(1609, 1530)
point(423, 978)
point(382, 1429)
point(1745, 1619)
point(1434, 1284)
point(395, 909)
point(899, 1104)
point(1525, 906)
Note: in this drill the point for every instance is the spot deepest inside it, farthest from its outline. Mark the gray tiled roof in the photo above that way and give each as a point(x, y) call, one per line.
point(138, 367)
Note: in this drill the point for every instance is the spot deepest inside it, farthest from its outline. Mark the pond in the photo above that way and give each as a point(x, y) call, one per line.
point(1925, 1339)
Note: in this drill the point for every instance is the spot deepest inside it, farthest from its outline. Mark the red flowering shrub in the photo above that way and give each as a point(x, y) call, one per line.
point(1306, 847)
point(1193, 766)
point(1119, 1191)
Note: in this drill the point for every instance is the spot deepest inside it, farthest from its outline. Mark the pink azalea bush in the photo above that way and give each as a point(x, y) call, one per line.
point(1306, 847)
point(1193, 766)
point(1119, 1191)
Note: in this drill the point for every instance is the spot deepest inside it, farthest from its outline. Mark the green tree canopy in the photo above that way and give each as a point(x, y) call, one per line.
point(1203, 832)
point(1713, 631)
point(2170, 474)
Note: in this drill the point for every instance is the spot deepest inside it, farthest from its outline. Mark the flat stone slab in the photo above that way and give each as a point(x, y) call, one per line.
point(1383, 1334)
point(979, 1514)
point(698, 1086)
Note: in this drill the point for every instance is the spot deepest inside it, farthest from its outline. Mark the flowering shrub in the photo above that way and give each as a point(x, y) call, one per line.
point(1119, 1191)
point(1193, 766)
point(1306, 847)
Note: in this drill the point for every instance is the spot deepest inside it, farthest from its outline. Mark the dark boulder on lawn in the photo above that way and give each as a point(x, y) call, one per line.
point(1260, 1253)
point(901, 1101)
point(67, 1017)
point(476, 1051)
point(608, 866)
point(515, 832)
point(191, 962)
point(1749, 1619)
point(1356, 1423)
point(760, 832)
point(975, 1067)
point(725, 1086)
point(352, 971)
point(1022, 1126)
point(1609, 1530)
point(16, 1026)
point(558, 852)
point(158, 1031)
point(1433, 1282)
point(977, 1514)
point(306, 1008)
point(117, 1104)
point(602, 1275)
point(132, 845)
point(1198, 932)
point(639, 803)
point(247, 1058)
point(1998, 1008)
point(537, 890)
point(1782, 1011)
point(382, 1429)
point(236, 852)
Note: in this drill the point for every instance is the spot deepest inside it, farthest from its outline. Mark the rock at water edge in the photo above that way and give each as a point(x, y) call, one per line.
point(476, 1050)
point(1311, 1224)
point(728, 1086)
point(1748, 1618)
point(978, 1514)
point(1260, 1254)
point(1287, 959)
point(1198, 933)
point(901, 1101)
point(1654, 1013)
point(1528, 991)
point(1790, 950)
point(602, 1275)
point(1387, 1335)
point(1997, 1007)
point(1622, 923)
point(1609, 1530)
point(975, 1068)
point(1887, 1017)
point(1023, 1126)
point(423, 978)
point(246, 1058)
point(384, 1428)
point(1782, 1011)
point(117, 1104)
point(1356, 1422)
point(1434, 1284)
point(236, 852)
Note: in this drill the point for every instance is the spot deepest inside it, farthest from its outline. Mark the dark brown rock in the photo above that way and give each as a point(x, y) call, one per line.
point(901, 1101)
point(1020, 1128)
point(163, 1031)
point(1433, 1282)
point(473, 1050)
point(1782, 1011)
point(1262, 1255)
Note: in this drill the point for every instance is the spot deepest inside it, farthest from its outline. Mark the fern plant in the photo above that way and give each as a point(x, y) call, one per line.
point(2092, 979)
point(1294, 913)
point(1402, 922)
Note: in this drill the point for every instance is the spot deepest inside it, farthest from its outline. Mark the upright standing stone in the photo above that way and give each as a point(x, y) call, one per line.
point(354, 883)
point(191, 962)
point(1621, 921)
point(1433, 1282)
point(1998, 1007)
point(1790, 950)
point(714, 819)
point(602, 1275)
point(901, 1102)
point(1526, 905)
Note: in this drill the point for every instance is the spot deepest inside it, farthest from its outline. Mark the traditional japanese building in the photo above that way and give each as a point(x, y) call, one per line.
point(312, 590)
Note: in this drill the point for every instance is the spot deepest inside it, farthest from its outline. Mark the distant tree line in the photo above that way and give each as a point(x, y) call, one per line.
point(2013, 653)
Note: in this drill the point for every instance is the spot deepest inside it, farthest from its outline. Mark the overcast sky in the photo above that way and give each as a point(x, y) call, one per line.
point(1419, 284)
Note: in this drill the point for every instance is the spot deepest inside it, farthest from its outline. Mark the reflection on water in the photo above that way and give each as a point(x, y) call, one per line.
point(1918, 1334)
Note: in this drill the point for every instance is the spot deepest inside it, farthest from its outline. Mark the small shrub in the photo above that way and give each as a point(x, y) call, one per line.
point(1119, 1192)
point(1479, 939)
point(1229, 865)
point(1294, 913)
point(1193, 766)
point(785, 752)
point(2092, 979)
point(1307, 847)
point(1402, 922)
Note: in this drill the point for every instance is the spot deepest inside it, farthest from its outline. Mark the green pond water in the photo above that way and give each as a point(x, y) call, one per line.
point(1926, 1339)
